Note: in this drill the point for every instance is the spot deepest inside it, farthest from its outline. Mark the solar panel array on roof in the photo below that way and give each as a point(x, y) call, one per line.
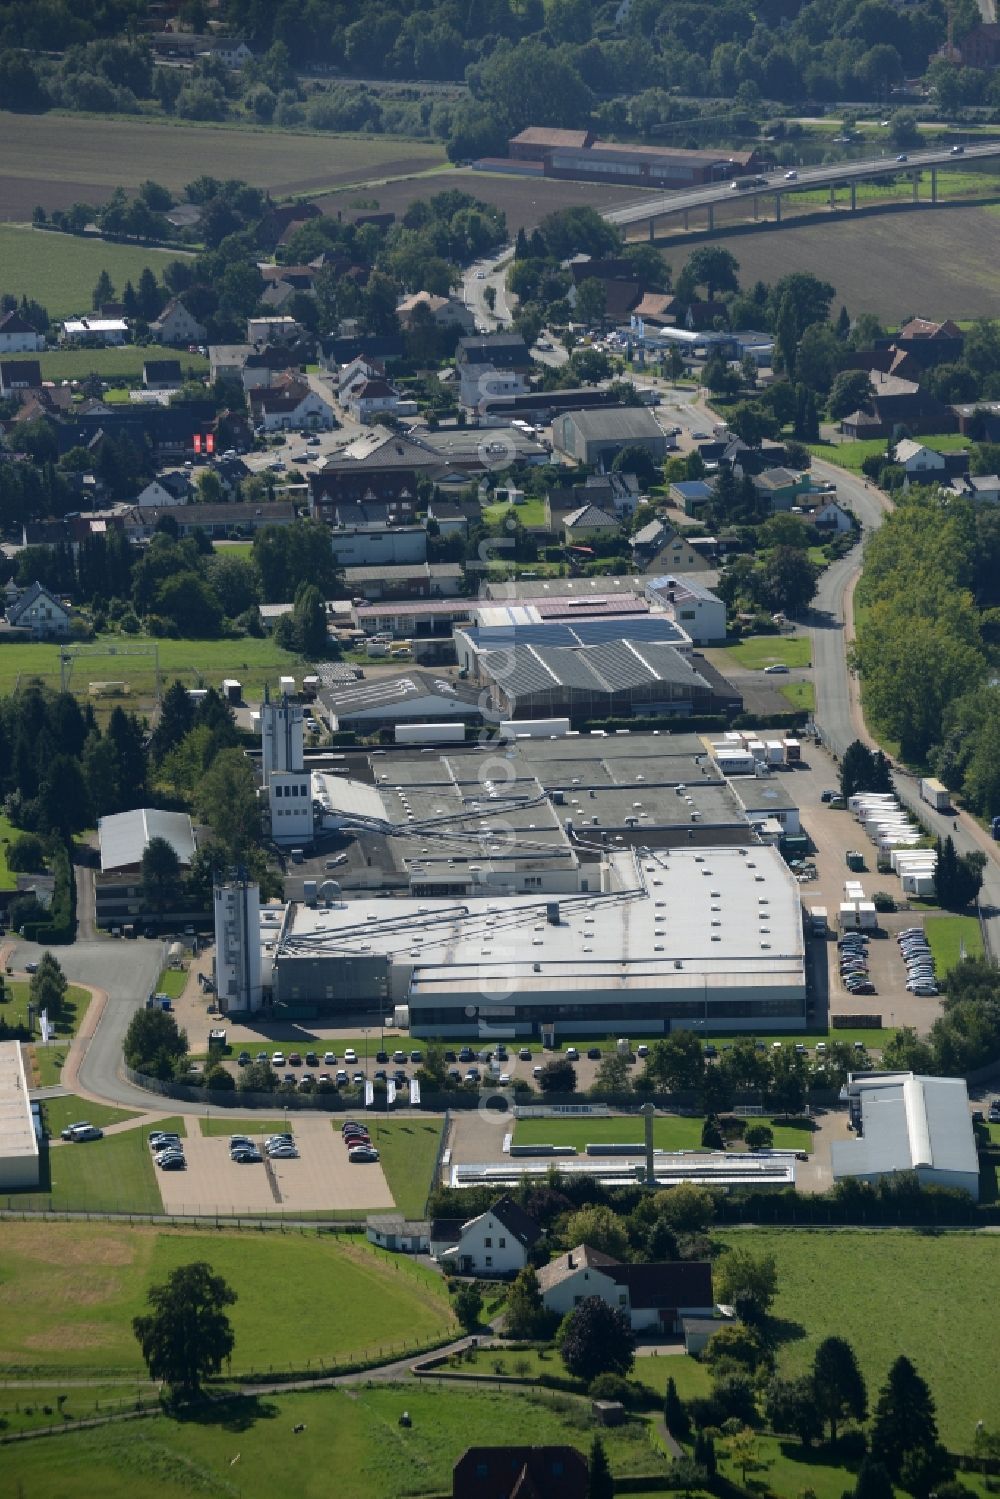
point(652, 627)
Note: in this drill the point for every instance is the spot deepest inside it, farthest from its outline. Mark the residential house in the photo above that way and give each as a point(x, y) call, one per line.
point(453, 516)
point(218, 522)
point(18, 336)
point(983, 489)
point(371, 513)
point(272, 330)
point(782, 488)
point(369, 399)
point(896, 408)
point(616, 492)
point(264, 366)
point(372, 546)
point(742, 459)
point(521, 1473)
point(831, 516)
point(40, 612)
point(502, 351)
point(589, 523)
point(341, 349)
point(698, 611)
point(379, 465)
point(19, 374)
point(597, 437)
point(289, 402)
point(443, 311)
point(497, 1242)
point(930, 343)
point(915, 459)
point(226, 361)
point(621, 297)
point(175, 325)
point(161, 374)
point(393, 1231)
point(356, 372)
point(108, 331)
point(658, 309)
point(479, 385)
point(171, 488)
point(659, 547)
point(654, 1297)
point(702, 315)
point(979, 421)
point(980, 47)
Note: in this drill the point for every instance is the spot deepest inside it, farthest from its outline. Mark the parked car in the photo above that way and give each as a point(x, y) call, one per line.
point(642, 1051)
point(240, 1142)
point(278, 1059)
point(791, 176)
point(31, 967)
point(383, 1056)
point(572, 1055)
point(828, 795)
point(172, 1163)
point(282, 1152)
point(350, 1056)
point(71, 1129)
point(86, 1132)
point(524, 1054)
point(342, 1078)
point(243, 1060)
point(778, 669)
point(362, 1155)
point(312, 1060)
point(294, 1060)
point(247, 1155)
point(593, 1054)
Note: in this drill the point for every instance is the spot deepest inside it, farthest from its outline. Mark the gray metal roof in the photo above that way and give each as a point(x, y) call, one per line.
point(613, 424)
point(909, 1123)
point(555, 632)
point(124, 836)
point(614, 666)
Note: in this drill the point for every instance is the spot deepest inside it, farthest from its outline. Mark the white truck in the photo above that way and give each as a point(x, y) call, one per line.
point(935, 794)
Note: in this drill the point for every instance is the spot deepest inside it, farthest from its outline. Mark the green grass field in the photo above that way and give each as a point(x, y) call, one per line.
point(851, 455)
point(670, 1132)
point(113, 1175)
point(951, 938)
point(8, 878)
point(531, 513)
point(60, 270)
point(172, 982)
point(769, 650)
point(849, 1284)
point(194, 662)
point(801, 695)
point(301, 1297)
point(26, 1407)
point(59, 1112)
point(355, 1434)
point(49, 1059)
point(124, 363)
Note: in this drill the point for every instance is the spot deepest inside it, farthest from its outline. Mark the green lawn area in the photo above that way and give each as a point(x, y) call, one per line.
point(60, 270)
point(670, 1132)
point(531, 513)
point(172, 982)
point(851, 455)
point(58, 1112)
point(769, 650)
point(302, 1297)
point(194, 662)
point(951, 937)
point(801, 695)
point(123, 363)
point(49, 1059)
point(354, 1433)
point(25, 1407)
point(408, 1148)
point(690, 1377)
point(8, 878)
point(113, 1175)
point(851, 1284)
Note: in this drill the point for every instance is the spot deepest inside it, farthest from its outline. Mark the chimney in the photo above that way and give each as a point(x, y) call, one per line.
point(570, 1261)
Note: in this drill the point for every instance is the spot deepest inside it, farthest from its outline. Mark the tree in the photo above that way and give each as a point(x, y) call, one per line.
point(958, 877)
point(818, 357)
point(873, 1481)
point(558, 1076)
point(744, 1451)
point(525, 1315)
point(186, 1337)
point(161, 872)
point(468, 1304)
point(104, 291)
point(47, 989)
point(687, 1208)
point(595, 1338)
point(736, 1343)
point(634, 459)
point(675, 1415)
point(790, 1407)
point(864, 770)
point(712, 1137)
point(26, 854)
point(711, 266)
point(904, 1417)
point(741, 1273)
point(677, 1063)
point(759, 1137)
point(176, 717)
point(838, 1384)
point(153, 1044)
point(258, 1077)
point(613, 1076)
point(599, 1228)
point(850, 389)
point(787, 580)
point(227, 801)
point(752, 423)
point(63, 802)
point(591, 302)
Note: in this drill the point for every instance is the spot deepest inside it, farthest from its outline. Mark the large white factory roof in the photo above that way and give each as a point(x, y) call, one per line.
point(909, 1123)
point(17, 1132)
point(673, 913)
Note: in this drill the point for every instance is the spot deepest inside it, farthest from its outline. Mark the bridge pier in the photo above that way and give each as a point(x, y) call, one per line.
point(711, 218)
point(854, 197)
point(934, 197)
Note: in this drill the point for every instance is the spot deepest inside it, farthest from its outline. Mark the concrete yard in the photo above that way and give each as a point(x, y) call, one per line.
point(321, 1179)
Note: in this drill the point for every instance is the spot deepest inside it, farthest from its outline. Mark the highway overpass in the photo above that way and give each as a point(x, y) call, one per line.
point(653, 208)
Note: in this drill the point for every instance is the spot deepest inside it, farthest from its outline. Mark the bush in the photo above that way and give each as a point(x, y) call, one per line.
point(26, 854)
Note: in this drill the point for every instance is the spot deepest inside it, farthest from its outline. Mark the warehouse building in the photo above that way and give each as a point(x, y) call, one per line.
point(618, 679)
point(597, 437)
point(909, 1123)
point(119, 897)
point(579, 156)
point(410, 697)
point(18, 1141)
point(705, 939)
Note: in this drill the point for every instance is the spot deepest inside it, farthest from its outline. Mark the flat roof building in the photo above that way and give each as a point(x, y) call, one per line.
point(909, 1123)
point(18, 1141)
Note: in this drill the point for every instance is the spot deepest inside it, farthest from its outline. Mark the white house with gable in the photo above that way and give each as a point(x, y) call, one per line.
point(652, 1296)
point(497, 1242)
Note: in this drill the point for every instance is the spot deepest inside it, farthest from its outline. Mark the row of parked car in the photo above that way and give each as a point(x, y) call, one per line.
point(168, 1150)
point(854, 973)
point(360, 1150)
point(921, 974)
point(278, 1147)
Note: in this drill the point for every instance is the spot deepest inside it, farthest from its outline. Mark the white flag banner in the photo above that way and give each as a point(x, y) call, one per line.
point(390, 1092)
point(369, 1093)
point(414, 1092)
point(48, 1030)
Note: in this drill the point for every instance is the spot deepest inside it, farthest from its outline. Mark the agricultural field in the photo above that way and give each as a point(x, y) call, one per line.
point(943, 259)
point(670, 1132)
point(952, 938)
point(524, 200)
point(195, 662)
point(354, 1433)
point(302, 1297)
point(57, 160)
point(847, 1283)
point(60, 270)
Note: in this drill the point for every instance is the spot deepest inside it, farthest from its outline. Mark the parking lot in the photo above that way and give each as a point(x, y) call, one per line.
point(320, 1179)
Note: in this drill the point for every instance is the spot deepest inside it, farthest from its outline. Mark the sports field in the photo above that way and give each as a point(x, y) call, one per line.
point(852, 1284)
point(302, 1297)
point(57, 160)
point(670, 1132)
point(344, 1441)
point(196, 662)
point(60, 270)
